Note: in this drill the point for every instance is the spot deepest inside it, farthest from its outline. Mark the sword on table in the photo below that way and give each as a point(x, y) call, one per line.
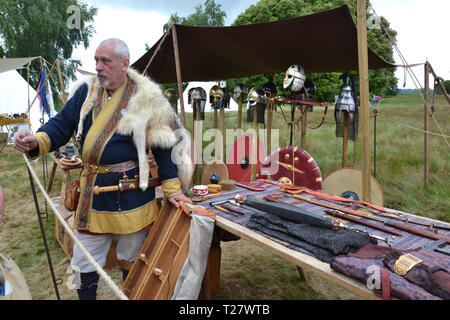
point(299, 215)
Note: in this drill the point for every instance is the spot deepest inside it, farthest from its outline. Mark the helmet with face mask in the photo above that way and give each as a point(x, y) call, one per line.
point(256, 95)
point(219, 97)
point(256, 100)
point(295, 78)
point(171, 96)
point(240, 90)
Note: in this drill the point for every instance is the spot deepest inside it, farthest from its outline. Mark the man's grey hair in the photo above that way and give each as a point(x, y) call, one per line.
point(120, 48)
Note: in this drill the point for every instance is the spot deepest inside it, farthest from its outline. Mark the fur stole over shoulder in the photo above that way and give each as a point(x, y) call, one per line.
point(152, 122)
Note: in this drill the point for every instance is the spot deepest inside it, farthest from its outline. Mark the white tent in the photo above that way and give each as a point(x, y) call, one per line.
point(207, 87)
point(14, 97)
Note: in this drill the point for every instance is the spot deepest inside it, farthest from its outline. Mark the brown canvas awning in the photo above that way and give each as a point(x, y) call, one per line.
point(321, 42)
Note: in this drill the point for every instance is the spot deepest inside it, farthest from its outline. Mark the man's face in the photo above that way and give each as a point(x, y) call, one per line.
point(111, 70)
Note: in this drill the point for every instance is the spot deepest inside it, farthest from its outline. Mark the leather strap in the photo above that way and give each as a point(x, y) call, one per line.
point(107, 168)
point(152, 164)
point(385, 285)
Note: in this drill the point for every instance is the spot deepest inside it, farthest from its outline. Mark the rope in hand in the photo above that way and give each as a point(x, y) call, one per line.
point(70, 232)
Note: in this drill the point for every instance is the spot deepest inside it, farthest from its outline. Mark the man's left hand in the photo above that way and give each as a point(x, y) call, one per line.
point(179, 197)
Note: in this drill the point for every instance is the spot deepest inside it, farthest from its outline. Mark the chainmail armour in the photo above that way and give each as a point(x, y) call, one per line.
point(324, 244)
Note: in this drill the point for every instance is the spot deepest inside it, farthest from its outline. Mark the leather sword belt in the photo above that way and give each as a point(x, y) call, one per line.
point(107, 168)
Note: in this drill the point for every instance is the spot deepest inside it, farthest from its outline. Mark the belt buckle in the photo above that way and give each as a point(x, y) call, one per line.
point(94, 169)
point(405, 263)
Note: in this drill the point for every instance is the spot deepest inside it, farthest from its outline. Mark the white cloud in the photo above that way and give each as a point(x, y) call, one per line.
point(422, 28)
point(134, 27)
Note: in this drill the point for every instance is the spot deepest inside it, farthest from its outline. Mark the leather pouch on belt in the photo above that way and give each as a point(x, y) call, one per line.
point(72, 195)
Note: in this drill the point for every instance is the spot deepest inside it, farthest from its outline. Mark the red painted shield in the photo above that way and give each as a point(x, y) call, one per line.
point(239, 158)
point(292, 165)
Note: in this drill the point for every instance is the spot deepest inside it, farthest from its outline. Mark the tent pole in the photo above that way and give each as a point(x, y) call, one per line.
point(364, 97)
point(239, 124)
point(253, 155)
point(178, 69)
point(61, 82)
point(269, 128)
point(222, 129)
point(304, 113)
point(426, 88)
point(345, 140)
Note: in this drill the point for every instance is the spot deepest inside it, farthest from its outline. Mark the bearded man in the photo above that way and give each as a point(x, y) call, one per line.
point(120, 117)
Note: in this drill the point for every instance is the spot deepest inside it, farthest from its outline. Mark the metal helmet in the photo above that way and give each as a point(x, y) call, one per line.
point(191, 90)
point(256, 95)
point(270, 89)
point(295, 78)
point(345, 102)
point(309, 87)
point(171, 96)
point(240, 90)
point(213, 93)
point(217, 97)
point(198, 94)
point(198, 97)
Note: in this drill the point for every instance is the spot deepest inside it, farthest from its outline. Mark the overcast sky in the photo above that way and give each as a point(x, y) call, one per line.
point(422, 28)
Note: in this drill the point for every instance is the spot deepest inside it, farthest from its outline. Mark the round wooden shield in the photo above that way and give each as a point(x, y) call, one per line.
point(292, 165)
point(215, 167)
point(239, 158)
point(350, 180)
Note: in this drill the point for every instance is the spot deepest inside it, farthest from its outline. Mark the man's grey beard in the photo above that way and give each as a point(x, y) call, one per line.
point(103, 83)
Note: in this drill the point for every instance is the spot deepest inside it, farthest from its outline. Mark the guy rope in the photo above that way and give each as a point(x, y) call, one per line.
point(70, 232)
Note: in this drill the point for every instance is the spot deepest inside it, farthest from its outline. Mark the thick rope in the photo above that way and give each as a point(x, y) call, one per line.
point(70, 232)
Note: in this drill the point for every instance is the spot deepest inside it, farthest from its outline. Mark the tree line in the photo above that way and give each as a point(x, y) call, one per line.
point(39, 28)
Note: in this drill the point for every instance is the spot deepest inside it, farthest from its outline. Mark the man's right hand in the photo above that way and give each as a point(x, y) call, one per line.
point(25, 141)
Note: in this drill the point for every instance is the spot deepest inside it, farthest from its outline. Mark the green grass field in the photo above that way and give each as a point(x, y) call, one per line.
point(248, 272)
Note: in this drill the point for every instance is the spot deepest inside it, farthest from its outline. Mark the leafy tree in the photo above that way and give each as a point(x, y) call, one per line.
point(44, 28)
point(446, 85)
point(382, 82)
point(209, 14)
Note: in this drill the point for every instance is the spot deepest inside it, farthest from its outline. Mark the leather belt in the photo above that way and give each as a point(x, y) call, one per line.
point(107, 168)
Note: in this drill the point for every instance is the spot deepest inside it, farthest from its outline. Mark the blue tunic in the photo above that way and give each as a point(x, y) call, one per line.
point(119, 148)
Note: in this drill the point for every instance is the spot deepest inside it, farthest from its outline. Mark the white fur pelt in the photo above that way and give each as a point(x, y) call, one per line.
point(152, 122)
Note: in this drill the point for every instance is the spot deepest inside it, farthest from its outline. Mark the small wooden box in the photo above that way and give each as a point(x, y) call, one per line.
point(155, 272)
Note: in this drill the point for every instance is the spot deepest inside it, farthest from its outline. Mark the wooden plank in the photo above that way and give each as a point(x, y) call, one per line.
point(302, 260)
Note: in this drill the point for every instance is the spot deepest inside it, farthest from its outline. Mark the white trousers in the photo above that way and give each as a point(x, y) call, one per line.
point(128, 246)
